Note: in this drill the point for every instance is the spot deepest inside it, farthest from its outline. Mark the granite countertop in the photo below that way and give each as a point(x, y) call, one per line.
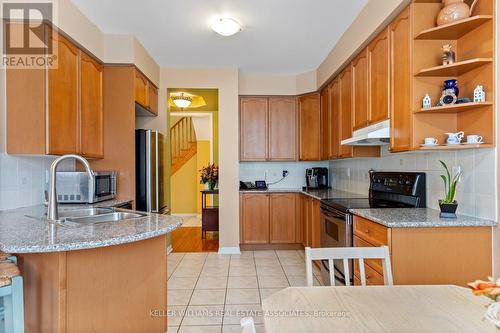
point(418, 218)
point(319, 194)
point(106, 203)
point(24, 230)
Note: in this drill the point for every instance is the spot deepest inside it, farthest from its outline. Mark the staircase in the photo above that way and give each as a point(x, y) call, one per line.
point(182, 143)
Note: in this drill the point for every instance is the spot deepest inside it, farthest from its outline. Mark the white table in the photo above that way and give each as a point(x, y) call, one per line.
point(376, 309)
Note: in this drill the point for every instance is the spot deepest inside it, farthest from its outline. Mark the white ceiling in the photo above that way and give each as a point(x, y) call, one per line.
point(279, 36)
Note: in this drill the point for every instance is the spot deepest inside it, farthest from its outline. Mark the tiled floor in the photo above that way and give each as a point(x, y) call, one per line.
point(209, 292)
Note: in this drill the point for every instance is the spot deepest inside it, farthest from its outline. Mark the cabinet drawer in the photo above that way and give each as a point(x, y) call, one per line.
point(373, 233)
point(373, 278)
point(376, 264)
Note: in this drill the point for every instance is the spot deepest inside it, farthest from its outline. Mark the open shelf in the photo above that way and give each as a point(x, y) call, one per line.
point(455, 69)
point(457, 147)
point(454, 30)
point(455, 108)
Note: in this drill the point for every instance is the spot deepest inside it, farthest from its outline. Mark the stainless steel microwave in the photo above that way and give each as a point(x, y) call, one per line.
point(80, 187)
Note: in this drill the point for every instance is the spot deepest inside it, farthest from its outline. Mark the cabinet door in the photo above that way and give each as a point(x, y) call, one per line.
point(91, 108)
point(400, 61)
point(253, 128)
point(360, 90)
point(282, 129)
point(153, 98)
point(141, 89)
point(335, 120)
point(315, 223)
point(304, 213)
point(62, 113)
point(345, 113)
point(282, 217)
point(378, 63)
point(254, 218)
point(309, 128)
point(325, 124)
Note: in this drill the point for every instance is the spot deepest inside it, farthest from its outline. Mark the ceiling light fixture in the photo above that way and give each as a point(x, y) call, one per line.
point(182, 101)
point(226, 26)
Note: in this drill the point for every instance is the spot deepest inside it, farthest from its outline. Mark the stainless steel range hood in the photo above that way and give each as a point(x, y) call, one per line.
point(373, 135)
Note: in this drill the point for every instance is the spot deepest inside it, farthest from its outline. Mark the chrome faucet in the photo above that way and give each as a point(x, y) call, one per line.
point(52, 214)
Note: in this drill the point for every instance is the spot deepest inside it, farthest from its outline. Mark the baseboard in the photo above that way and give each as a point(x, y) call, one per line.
point(257, 247)
point(169, 249)
point(229, 250)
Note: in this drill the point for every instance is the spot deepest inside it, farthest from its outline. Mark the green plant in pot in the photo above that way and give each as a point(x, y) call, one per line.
point(448, 204)
point(209, 175)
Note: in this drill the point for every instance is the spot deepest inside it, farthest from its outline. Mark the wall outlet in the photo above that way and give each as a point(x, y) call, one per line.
point(285, 173)
point(349, 172)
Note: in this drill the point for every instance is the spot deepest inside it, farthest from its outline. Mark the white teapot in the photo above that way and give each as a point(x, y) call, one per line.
point(454, 138)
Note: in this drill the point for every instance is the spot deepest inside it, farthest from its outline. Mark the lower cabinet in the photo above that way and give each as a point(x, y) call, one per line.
point(417, 255)
point(254, 218)
point(282, 217)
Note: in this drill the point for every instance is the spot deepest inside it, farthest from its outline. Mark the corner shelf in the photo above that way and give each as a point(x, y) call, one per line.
point(455, 69)
point(455, 108)
point(457, 147)
point(454, 30)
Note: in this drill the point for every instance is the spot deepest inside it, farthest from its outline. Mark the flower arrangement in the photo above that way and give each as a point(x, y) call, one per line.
point(489, 289)
point(209, 175)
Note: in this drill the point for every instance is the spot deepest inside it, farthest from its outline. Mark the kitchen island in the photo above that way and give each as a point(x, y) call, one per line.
point(104, 277)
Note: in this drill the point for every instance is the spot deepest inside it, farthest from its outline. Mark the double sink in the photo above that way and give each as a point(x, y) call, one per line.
point(88, 216)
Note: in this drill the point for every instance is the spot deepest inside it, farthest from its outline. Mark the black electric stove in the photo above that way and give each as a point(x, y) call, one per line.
point(386, 190)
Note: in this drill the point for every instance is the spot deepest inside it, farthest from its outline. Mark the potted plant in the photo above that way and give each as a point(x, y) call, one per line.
point(448, 204)
point(209, 175)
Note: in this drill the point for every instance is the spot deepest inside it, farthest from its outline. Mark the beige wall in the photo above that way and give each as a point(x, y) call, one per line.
point(272, 84)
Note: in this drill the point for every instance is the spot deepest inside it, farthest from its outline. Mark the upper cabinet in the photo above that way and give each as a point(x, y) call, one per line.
point(326, 124)
point(56, 111)
point(360, 90)
point(268, 129)
point(345, 114)
point(310, 138)
point(282, 128)
point(146, 95)
point(378, 78)
point(335, 121)
point(400, 83)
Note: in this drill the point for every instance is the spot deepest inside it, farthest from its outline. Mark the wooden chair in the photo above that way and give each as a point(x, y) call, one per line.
point(344, 254)
point(247, 325)
point(11, 293)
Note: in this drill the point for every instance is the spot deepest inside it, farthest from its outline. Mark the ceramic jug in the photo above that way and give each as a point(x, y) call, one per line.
point(454, 10)
point(454, 138)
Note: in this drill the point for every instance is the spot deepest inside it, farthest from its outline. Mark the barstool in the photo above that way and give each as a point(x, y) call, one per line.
point(11, 296)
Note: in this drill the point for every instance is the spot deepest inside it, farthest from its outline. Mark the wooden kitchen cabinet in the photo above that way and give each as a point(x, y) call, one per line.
point(282, 217)
point(146, 95)
point(282, 129)
point(59, 110)
point(141, 89)
point(91, 109)
point(62, 94)
point(345, 114)
point(254, 218)
point(400, 39)
point(335, 120)
point(360, 90)
point(153, 99)
point(253, 128)
point(417, 255)
point(310, 216)
point(315, 223)
point(326, 126)
point(310, 127)
point(379, 77)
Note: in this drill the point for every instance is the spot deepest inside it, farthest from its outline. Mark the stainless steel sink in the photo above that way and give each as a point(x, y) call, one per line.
point(109, 217)
point(84, 212)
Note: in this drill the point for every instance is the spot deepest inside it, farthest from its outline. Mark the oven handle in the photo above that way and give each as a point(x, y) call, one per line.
point(334, 215)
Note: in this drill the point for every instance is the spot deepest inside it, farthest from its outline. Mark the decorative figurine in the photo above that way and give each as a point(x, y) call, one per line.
point(450, 93)
point(426, 102)
point(479, 94)
point(448, 56)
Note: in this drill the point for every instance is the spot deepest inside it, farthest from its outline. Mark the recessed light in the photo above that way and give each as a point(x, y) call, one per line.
point(226, 26)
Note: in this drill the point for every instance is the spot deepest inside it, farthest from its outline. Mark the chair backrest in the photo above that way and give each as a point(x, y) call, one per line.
point(247, 325)
point(344, 254)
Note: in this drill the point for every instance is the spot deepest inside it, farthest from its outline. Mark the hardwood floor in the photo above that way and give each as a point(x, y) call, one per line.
point(188, 239)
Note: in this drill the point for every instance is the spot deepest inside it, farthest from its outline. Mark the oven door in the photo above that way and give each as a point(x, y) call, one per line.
point(336, 231)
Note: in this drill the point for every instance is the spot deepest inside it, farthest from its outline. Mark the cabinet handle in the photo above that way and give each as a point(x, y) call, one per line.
point(367, 231)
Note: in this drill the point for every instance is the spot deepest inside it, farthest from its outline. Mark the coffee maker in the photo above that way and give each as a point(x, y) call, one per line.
point(317, 178)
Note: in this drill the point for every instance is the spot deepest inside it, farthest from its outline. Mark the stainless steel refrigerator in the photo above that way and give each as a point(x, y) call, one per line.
point(150, 169)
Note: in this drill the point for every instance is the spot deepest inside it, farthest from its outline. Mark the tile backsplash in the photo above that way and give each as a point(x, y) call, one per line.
point(272, 171)
point(476, 190)
point(23, 179)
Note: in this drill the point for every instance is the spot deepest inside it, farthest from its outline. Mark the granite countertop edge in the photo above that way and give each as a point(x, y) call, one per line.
point(318, 194)
point(418, 218)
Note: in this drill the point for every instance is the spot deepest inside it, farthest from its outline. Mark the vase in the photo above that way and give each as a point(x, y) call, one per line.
point(451, 84)
point(211, 184)
point(454, 10)
point(448, 210)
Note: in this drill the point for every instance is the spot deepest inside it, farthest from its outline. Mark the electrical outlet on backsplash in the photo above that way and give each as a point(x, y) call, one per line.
point(476, 192)
point(23, 179)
